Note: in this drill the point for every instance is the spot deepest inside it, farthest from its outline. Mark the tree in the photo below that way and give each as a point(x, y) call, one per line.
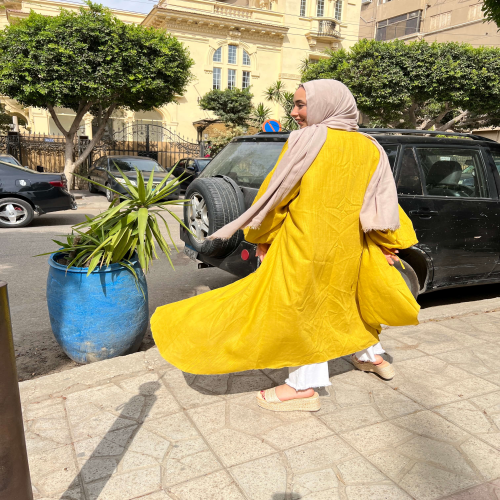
point(276, 93)
point(260, 114)
point(232, 106)
point(491, 10)
point(5, 120)
point(446, 86)
point(90, 62)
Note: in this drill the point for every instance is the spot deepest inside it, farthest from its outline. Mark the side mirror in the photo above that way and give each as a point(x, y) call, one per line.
point(190, 168)
point(39, 168)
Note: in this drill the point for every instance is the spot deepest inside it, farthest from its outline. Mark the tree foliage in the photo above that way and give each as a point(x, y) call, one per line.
point(232, 106)
point(260, 114)
point(448, 86)
point(277, 93)
point(491, 10)
point(90, 62)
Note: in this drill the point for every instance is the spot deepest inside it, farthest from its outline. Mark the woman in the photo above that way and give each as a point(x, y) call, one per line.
point(313, 298)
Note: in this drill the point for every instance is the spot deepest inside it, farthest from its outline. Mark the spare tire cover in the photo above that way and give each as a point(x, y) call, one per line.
point(213, 204)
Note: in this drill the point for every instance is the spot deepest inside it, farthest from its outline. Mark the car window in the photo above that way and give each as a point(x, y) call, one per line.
point(181, 163)
point(453, 172)
point(190, 164)
point(247, 163)
point(130, 164)
point(11, 160)
point(409, 181)
point(392, 153)
point(496, 158)
point(203, 163)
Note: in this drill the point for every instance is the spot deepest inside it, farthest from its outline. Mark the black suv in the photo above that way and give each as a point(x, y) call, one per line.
point(448, 184)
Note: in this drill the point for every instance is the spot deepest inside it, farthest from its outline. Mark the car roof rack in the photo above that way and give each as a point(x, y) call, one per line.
point(422, 132)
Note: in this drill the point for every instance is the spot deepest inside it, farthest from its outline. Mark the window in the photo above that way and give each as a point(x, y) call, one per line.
point(320, 8)
point(217, 78)
point(475, 11)
point(338, 10)
point(453, 172)
point(302, 8)
point(246, 58)
point(496, 158)
point(231, 54)
point(440, 20)
point(409, 177)
point(399, 26)
point(245, 80)
point(231, 78)
point(218, 55)
point(392, 153)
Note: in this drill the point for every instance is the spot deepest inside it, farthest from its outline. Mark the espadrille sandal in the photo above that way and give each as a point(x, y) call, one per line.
point(384, 370)
point(271, 402)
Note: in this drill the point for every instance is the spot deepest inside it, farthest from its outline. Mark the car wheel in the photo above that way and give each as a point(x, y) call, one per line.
point(410, 277)
point(213, 204)
point(110, 196)
point(92, 188)
point(15, 212)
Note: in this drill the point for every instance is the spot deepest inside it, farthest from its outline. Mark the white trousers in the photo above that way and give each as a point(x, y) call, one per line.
point(310, 376)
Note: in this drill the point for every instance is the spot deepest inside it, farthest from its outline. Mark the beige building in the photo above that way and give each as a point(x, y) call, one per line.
point(431, 20)
point(235, 43)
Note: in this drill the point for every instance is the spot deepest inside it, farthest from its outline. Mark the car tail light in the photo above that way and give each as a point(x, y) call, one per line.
point(245, 254)
point(58, 184)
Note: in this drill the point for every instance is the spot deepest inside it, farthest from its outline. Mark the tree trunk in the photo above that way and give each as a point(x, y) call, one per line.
point(69, 162)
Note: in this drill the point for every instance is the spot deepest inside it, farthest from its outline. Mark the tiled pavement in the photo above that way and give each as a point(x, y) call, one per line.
point(137, 428)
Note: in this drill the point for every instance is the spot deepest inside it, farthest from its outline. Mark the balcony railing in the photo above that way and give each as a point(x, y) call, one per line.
point(328, 28)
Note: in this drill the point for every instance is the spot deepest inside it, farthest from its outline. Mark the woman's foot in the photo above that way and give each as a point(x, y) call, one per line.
point(286, 393)
point(380, 366)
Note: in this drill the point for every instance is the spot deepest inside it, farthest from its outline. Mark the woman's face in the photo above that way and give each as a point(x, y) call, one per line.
point(299, 111)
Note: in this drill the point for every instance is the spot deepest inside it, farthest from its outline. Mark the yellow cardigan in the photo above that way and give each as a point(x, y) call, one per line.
point(321, 289)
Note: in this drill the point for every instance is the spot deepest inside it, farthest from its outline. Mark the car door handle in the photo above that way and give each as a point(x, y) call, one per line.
point(423, 213)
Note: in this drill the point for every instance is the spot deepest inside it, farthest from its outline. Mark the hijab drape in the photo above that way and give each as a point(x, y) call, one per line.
point(330, 104)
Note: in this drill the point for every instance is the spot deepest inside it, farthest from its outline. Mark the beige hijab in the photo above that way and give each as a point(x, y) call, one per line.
point(330, 104)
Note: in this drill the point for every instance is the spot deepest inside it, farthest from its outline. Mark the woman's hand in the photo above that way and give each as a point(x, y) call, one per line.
point(261, 251)
point(390, 255)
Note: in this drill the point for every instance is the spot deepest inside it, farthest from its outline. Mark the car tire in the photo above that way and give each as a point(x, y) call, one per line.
point(92, 188)
point(214, 203)
point(110, 196)
point(15, 208)
point(410, 277)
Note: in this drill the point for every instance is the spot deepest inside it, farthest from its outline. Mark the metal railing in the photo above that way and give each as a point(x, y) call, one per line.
point(328, 28)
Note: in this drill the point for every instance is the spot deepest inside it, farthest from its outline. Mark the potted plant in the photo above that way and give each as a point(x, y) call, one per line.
point(97, 293)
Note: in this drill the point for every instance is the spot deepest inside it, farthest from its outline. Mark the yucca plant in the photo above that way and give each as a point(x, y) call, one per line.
point(129, 225)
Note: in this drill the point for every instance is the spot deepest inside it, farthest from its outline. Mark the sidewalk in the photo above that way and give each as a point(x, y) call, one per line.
point(137, 428)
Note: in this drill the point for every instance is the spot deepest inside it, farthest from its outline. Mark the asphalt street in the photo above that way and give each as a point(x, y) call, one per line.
point(36, 349)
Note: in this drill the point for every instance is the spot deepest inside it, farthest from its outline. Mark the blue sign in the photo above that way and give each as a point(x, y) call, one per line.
point(271, 126)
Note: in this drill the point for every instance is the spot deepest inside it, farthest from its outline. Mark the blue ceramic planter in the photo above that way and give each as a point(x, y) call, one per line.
point(100, 316)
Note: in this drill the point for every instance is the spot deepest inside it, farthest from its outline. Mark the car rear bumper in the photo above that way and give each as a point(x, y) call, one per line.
point(241, 262)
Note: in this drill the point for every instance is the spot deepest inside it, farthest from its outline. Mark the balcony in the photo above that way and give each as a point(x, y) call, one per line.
point(324, 30)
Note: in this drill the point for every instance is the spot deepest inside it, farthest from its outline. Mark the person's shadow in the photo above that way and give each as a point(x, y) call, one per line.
point(146, 399)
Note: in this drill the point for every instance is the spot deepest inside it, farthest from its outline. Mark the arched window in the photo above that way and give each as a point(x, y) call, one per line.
point(218, 55)
point(246, 58)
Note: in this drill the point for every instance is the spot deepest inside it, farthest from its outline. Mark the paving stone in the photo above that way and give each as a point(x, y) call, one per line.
point(260, 478)
point(481, 492)
point(172, 427)
point(393, 404)
point(359, 470)
point(186, 396)
point(426, 423)
point(132, 461)
point(425, 482)
point(214, 384)
point(468, 416)
point(149, 443)
point(154, 360)
point(49, 408)
point(437, 453)
point(210, 418)
point(422, 393)
point(376, 492)
point(390, 462)
point(346, 419)
point(484, 457)
point(350, 395)
point(296, 433)
point(250, 383)
point(127, 486)
point(234, 447)
point(216, 486)
point(316, 485)
point(317, 454)
point(376, 436)
point(401, 351)
point(253, 421)
point(97, 468)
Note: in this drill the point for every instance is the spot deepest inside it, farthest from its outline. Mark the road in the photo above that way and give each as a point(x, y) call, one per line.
point(36, 349)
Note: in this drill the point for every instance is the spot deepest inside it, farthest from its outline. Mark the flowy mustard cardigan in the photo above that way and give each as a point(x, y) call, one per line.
point(322, 291)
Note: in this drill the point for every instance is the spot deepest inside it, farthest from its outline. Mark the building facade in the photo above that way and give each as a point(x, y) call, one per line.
point(431, 20)
point(234, 43)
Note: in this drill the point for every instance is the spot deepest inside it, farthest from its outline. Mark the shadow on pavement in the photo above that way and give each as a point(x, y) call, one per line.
point(108, 446)
point(459, 295)
point(59, 219)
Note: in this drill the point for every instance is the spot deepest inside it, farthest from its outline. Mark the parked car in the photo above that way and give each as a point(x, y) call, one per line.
point(102, 168)
point(449, 187)
point(190, 169)
point(24, 193)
